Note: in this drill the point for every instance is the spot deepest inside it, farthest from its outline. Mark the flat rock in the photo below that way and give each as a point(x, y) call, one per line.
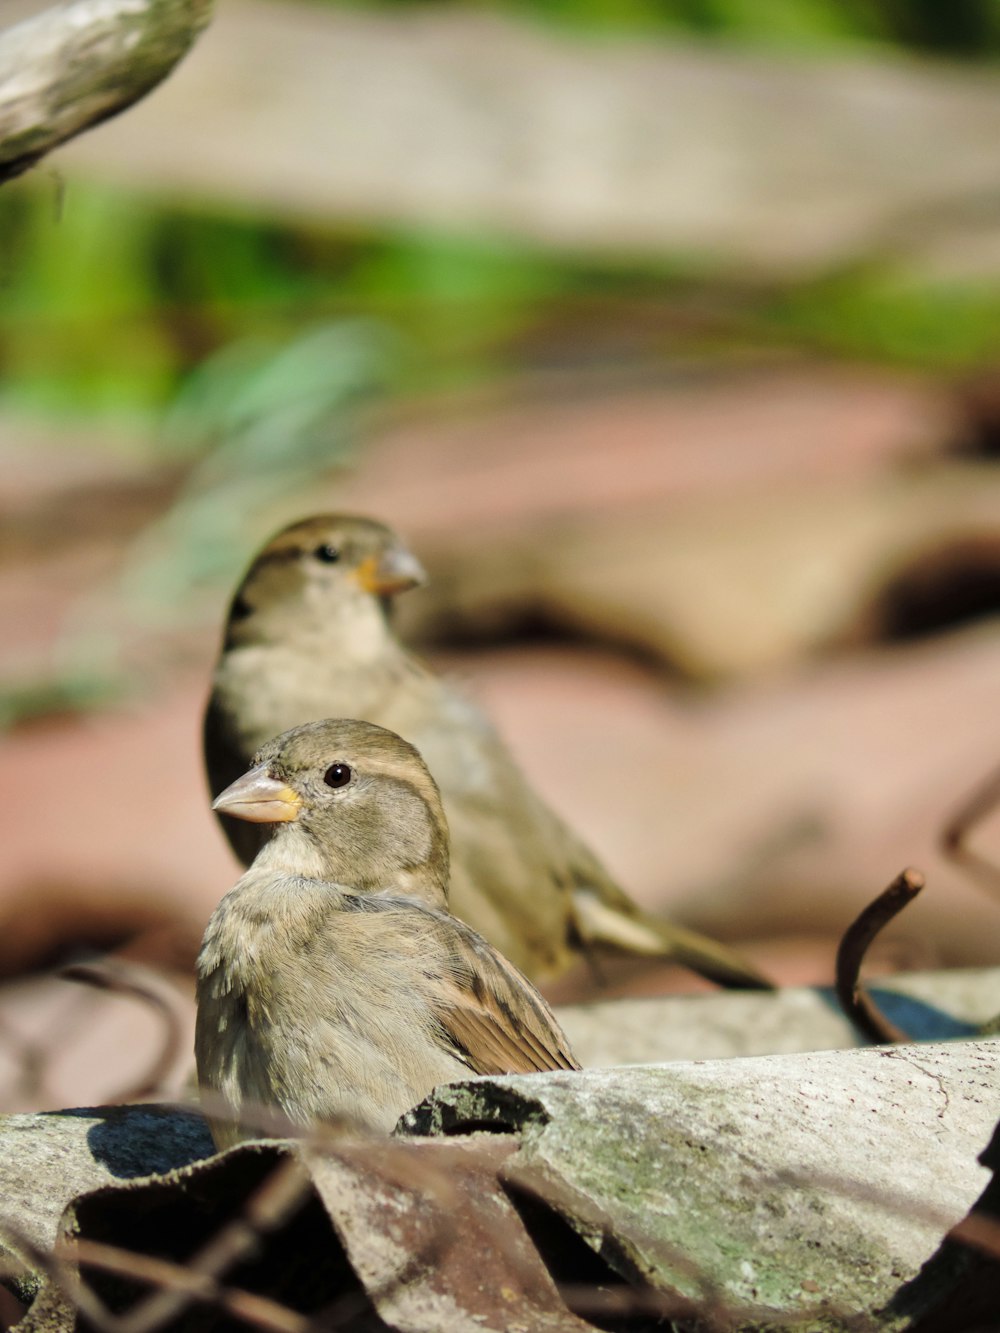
point(48, 1159)
point(803, 1184)
point(749, 579)
point(413, 1236)
point(813, 1185)
point(932, 1006)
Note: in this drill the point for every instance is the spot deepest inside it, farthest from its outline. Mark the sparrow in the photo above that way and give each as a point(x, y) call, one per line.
point(308, 635)
point(333, 983)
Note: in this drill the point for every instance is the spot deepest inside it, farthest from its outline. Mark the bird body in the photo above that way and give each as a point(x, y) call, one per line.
point(308, 637)
point(332, 981)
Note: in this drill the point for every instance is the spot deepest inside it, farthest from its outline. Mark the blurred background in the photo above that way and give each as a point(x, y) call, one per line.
point(668, 333)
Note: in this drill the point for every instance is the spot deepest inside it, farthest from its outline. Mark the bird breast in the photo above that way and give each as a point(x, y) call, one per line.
point(307, 1007)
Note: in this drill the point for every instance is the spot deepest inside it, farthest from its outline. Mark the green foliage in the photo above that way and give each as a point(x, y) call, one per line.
point(73, 692)
point(257, 423)
point(263, 421)
point(803, 22)
point(956, 27)
point(112, 304)
point(110, 301)
point(109, 297)
point(891, 315)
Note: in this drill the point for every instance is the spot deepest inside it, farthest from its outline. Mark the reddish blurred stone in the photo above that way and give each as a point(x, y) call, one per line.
point(508, 467)
point(778, 807)
point(769, 811)
point(116, 798)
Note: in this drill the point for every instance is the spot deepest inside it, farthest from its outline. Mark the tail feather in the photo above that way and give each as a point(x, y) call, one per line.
point(637, 932)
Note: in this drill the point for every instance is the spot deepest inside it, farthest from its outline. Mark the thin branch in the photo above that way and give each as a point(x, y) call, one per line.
point(974, 809)
point(859, 1007)
point(61, 1274)
point(125, 978)
point(258, 1311)
point(980, 1232)
point(82, 62)
point(284, 1191)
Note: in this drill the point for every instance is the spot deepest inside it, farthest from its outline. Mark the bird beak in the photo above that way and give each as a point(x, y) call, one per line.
point(258, 797)
point(393, 571)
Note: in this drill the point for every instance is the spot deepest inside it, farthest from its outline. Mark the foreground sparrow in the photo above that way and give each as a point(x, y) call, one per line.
point(332, 980)
point(308, 637)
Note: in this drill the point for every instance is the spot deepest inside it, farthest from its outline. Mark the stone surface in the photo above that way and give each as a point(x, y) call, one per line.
point(46, 1160)
point(413, 1236)
point(784, 1185)
point(753, 1190)
point(928, 1007)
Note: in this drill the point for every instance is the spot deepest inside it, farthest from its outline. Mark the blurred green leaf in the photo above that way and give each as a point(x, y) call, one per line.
point(887, 314)
point(264, 420)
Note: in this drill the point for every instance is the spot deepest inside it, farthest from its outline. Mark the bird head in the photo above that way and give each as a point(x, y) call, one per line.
point(350, 802)
point(320, 570)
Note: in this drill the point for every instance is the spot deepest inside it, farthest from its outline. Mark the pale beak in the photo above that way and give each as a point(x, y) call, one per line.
point(393, 571)
point(258, 797)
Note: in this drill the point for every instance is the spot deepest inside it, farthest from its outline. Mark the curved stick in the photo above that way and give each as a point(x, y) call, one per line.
point(983, 801)
point(859, 1007)
point(124, 978)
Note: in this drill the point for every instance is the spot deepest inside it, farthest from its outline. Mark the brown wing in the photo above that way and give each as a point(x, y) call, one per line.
point(492, 1015)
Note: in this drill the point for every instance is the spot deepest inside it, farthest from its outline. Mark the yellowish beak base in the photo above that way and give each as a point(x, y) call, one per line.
point(259, 798)
point(393, 571)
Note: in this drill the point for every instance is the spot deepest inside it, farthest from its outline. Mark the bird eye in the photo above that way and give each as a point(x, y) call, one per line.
point(337, 775)
point(328, 554)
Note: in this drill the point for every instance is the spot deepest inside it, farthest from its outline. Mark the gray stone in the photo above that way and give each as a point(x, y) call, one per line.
point(787, 1185)
point(47, 1159)
point(413, 1236)
point(929, 1006)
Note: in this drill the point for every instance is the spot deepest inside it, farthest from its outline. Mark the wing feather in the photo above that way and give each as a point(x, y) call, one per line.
point(493, 1015)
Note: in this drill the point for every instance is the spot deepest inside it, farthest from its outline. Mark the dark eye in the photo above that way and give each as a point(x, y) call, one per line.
point(329, 555)
point(337, 775)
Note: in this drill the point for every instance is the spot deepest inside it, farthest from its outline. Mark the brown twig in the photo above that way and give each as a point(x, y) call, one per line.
point(124, 978)
point(61, 1274)
point(859, 1007)
point(283, 1191)
point(974, 809)
point(980, 1232)
point(254, 1309)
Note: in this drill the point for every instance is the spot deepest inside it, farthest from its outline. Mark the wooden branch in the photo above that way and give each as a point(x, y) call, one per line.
point(122, 977)
point(859, 1007)
point(81, 62)
point(255, 1310)
point(955, 834)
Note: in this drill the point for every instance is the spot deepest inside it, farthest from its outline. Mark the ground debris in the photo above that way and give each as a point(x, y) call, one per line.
point(827, 1190)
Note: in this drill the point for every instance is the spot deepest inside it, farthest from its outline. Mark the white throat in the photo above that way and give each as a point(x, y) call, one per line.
point(290, 852)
